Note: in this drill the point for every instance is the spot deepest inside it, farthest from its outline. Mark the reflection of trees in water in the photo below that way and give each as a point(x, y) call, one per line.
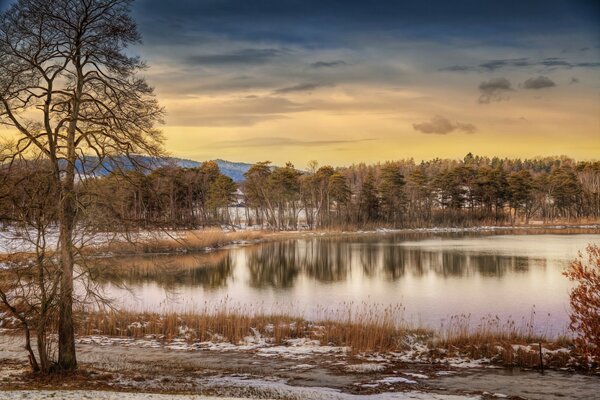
point(279, 264)
point(369, 255)
point(273, 264)
point(326, 261)
point(395, 262)
point(169, 272)
point(398, 260)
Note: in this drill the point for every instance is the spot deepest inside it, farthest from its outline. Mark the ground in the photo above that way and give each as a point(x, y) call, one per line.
point(118, 371)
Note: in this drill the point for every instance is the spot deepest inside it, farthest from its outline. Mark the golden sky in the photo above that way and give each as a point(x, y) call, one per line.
point(343, 82)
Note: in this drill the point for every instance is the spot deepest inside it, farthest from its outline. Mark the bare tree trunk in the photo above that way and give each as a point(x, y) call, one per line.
point(66, 334)
point(42, 349)
point(31, 355)
point(67, 359)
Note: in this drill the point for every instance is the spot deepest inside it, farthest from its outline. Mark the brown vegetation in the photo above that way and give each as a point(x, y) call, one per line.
point(368, 329)
point(585, 303)
point(164, 242)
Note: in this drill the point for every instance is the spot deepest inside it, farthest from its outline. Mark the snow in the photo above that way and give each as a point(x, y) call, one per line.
point(365, 367)
point(293, 348)
point(100, 395)
point(302, 367)
point(498, 395)
point(279, 389)
point(301, 348)
point(414, 375)
point(23, 240)
point(395, 379)
point(293, 393)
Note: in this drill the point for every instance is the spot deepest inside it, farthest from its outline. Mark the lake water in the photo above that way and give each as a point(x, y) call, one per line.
point(432, 276)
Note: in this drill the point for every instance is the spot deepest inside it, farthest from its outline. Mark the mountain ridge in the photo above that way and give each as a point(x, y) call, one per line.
point(91, 165)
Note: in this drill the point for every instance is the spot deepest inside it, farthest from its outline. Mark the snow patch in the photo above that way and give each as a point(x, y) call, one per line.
point(365, 367)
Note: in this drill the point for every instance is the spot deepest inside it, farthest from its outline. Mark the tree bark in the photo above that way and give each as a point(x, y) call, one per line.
point(66, 332)
point(67, 359)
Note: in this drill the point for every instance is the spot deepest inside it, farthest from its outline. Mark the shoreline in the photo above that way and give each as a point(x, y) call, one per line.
point(372, 332)
point(110, 244)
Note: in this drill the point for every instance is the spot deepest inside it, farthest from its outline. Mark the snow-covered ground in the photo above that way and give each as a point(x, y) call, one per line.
point(100, 395)
point(293, 393)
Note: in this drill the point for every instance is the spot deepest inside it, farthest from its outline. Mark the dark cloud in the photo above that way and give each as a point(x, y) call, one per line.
point(589, 64)
point(319, 22)
point(328, 64)
point(495, 89)
point(573, 81)
point(442, 126)
point(302, 87)
point(554, 62)
point(539, 82)
point(244, 56)
point(494, 65)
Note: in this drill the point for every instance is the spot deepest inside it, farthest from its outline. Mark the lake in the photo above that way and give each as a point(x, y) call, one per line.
point(433, 276)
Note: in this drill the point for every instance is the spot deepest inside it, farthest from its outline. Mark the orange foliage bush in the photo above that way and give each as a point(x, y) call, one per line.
point(585, 302)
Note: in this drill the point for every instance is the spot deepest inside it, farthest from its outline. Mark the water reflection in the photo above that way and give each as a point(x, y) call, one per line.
point(433, 276)
point(168, 271)
point(279, 264)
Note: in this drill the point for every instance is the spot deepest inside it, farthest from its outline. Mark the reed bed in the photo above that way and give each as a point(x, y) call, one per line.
point(173, 242)
point(506, 342)
point(361, 328)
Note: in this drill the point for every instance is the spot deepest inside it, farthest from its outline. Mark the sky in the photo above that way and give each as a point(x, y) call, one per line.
point(345, 81)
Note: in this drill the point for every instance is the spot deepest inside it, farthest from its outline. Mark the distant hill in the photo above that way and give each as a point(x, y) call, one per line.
point(93, 166)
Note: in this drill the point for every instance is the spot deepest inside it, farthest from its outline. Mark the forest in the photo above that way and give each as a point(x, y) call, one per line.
point(400, 194)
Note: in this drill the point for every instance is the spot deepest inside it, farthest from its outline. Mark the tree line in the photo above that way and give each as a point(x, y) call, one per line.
point(473, 191)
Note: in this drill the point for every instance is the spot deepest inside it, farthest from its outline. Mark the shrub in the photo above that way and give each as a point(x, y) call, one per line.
point(585, 303)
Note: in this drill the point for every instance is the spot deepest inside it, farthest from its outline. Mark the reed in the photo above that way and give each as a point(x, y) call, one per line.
point(361, 327)
point(175, 242)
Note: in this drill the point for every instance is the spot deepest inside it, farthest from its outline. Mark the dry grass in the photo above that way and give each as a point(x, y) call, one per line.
point(362, 328)
point(163, 242)
point(504, 341)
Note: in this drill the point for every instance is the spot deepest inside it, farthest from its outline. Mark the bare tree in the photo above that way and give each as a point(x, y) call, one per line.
point(69, 89)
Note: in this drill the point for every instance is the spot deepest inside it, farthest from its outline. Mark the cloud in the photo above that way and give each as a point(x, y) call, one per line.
point(548, 62)
point(466, 127)
point(494, 90)
point(244, 56)
point(224, 120)
point(538, 83)
point(573, 81)
point(328, 64)
point(277, 141)
point(493, 65)
point(442, 126)
point(242, 111)
point(302, 87)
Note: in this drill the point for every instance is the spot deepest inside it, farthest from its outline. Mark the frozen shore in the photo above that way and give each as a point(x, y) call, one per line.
point(112, 369)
